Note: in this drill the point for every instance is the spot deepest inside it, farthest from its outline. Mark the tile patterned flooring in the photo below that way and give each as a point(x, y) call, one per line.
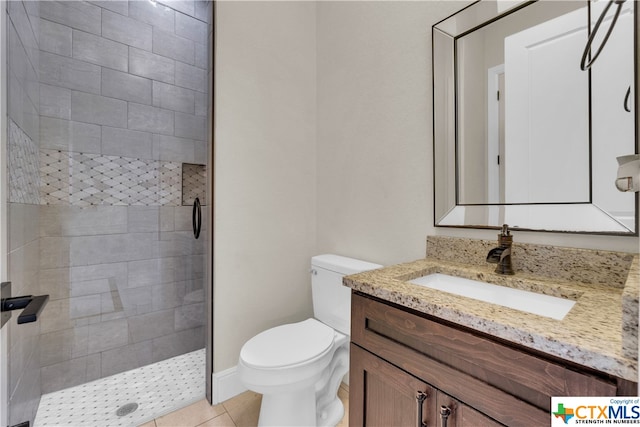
point(158, 388)
point(169, 388)
point(240, 411)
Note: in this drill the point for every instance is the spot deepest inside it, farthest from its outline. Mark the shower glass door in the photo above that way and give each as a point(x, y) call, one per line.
point(107, 152)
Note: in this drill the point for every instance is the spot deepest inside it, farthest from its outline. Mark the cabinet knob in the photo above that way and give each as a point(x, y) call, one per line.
point(421, 396)
point(445, 411)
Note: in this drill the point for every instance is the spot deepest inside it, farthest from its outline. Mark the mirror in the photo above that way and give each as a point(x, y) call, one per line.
point(524, 136)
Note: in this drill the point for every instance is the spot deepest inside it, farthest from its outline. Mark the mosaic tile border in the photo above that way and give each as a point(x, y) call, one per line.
point(194, 183)
point(23, 171)
point(85, 179)
point(55, 177)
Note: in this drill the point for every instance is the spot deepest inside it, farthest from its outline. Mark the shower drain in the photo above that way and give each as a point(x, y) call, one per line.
point(126, 409)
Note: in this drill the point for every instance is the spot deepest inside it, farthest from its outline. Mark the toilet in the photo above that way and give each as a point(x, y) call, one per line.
point(298, 367)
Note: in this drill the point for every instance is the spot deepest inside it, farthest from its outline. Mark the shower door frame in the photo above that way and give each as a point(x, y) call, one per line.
point(4, 398)
point(209, 288)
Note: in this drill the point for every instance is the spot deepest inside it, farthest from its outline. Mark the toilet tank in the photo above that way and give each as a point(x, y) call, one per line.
point(332, 300)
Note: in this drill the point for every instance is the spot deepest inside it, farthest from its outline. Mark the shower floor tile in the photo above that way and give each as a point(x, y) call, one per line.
point(157, 389)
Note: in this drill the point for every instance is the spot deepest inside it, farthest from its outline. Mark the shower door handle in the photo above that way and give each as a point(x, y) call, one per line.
point(627, 108)
point(196, 218)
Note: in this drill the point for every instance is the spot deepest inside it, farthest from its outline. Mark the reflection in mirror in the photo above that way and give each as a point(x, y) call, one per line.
point(522, 135)
point(529, 82)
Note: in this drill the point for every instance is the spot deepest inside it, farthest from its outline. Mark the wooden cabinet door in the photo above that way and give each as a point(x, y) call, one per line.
point(453, 413)
point(380, 394)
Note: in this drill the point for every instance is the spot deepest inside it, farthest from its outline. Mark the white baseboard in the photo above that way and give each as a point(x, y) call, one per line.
point(225, 385)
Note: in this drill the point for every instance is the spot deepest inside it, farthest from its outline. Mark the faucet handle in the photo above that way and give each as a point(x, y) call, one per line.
point(505, 238)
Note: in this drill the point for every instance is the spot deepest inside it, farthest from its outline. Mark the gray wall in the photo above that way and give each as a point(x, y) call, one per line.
point(123, 103)
point(23, 208)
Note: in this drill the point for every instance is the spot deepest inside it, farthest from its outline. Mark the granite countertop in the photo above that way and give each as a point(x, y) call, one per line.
point(591, 334)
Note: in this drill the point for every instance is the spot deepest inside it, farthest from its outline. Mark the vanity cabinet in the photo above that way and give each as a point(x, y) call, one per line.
point(393, 397)
point(398, 355)
point(390, 395)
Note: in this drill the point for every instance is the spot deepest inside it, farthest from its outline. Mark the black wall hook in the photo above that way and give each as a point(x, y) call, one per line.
point(584, 65)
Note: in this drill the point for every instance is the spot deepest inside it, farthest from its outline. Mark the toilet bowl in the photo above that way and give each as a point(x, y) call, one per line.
point(285, 363)
point(298, 367)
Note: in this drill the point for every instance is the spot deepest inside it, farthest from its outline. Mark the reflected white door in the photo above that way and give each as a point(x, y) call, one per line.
point(543, 81)
point(495, 134)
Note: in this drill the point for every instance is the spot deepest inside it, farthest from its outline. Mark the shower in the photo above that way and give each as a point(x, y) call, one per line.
point(108, 147)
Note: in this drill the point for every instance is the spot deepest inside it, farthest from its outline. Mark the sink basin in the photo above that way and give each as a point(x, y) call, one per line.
point(530, 302)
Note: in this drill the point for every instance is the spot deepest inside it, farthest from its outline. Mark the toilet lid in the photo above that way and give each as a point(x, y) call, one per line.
point(287, 344)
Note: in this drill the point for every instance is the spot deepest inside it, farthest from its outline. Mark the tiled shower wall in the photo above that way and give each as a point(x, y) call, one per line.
point(123, 103)
point(23, 208)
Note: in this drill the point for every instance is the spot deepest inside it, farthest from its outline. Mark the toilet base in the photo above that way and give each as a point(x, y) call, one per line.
point(289, 409)
point(329, 407)
point(332, 414)
point(301, 395)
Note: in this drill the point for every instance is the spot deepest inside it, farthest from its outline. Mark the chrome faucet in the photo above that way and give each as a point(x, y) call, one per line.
point(502, 254)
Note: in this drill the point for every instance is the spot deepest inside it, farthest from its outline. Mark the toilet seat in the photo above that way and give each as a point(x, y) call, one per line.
point(288, 345)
